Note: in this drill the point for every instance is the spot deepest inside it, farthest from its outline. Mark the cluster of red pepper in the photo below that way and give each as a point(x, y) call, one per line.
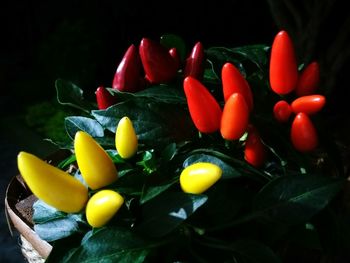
point(284, 79)
point(233, 121)
point(152, 63)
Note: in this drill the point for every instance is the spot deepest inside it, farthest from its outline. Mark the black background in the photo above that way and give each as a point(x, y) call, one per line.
point(83, 41)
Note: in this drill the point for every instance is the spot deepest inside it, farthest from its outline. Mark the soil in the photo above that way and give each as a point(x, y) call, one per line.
point(25, 209)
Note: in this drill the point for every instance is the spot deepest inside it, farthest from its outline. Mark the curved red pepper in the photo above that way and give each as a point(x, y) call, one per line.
point(303, 133)
point(283, 65)
point(309, 80)
point(204, 109)
point(158, 64)
point(128, 74)
point(282, 111)
point(254, 150)
point(235, 117)
point(234, 82)
point(104, 98)
point(195, 62)
point(310, 104)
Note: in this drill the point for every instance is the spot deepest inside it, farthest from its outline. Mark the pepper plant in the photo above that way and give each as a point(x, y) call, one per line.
point(193, 159)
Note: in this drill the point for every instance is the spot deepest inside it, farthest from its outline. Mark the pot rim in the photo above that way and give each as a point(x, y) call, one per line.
point(15, 191)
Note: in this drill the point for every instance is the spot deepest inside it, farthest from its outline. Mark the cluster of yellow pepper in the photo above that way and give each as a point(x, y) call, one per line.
point(66, 193)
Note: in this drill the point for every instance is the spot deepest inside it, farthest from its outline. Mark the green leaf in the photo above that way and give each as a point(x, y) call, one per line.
point(227, 170)
point(171, 41)
point(76, 123)
point(242, 166)
point(107, 245)
point(290, 200)
point(254, 53)
point(106, 142)
point(218, 56)
point(154, 123)
point(295, 199)
point(150, 191)
point(169, 152)
point(333, 229)
point(165, 93)
point(305, 236)
point(59, 228)
point(61, 144)
point(242, 251)
point(115, 156)
point(63, 248)
point(251, 251)
point(222, 197)
point(130, 182)
point(148, 162)
point(71, 95)
point(68, 161)
point(210, 74)
point(51, 224)
point(167, 211)
point(145, 123)
point(43, 213)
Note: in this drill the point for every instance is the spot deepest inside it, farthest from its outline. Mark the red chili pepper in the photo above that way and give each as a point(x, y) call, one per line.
point(204, 109)
point(309, 80)
point(128, 74)
point(158, 64)
point(303, 133)
point(175, 55)
point(254, 150)
point(234, 82)
point(104, 98)
point(282, 111)
point(310, 104)
point(235, 117)
point(283, 65)
point(195, 62)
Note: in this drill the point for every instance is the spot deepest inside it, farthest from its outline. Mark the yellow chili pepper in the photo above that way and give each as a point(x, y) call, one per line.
point(125, 138)
point(198, 177)
point(102, 206)
point(96, 167)
point(52, 185)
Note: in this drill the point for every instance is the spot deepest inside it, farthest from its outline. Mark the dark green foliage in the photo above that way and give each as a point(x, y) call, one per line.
point(250, 215)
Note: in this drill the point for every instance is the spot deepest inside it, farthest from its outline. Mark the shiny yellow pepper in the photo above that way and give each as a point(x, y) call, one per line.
point(96, 167)
point(125, 138)
point(52, 185)
point(102, 206)
point(199, 177)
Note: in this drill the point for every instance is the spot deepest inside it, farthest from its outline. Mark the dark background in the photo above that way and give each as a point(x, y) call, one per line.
point(84, 41)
